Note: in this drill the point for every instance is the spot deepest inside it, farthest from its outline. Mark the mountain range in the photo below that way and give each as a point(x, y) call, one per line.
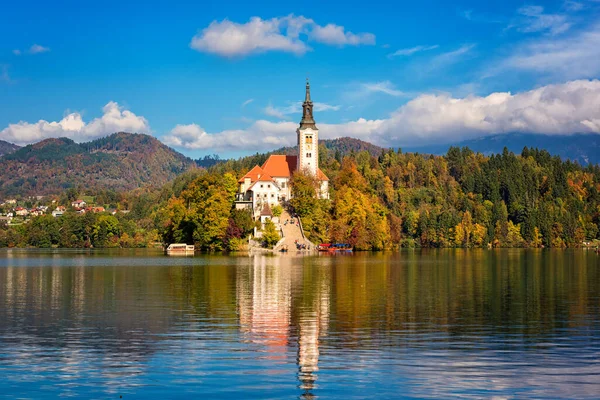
point(583, 148)
point(7, 148)
point(125, 161)
point(121, 161)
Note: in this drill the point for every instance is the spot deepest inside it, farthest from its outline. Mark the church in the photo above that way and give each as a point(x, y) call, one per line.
point(269, 184)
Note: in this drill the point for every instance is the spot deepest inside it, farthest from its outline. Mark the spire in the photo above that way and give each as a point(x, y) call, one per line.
point(307, 110)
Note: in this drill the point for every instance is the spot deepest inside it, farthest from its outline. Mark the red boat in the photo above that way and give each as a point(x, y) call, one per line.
point(335, 247)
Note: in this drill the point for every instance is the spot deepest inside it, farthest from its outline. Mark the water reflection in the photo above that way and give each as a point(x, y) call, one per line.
point(506, 323)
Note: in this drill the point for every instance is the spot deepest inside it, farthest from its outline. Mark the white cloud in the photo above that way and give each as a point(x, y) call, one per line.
point(244, 104)
point(412, 50)
point(533, 19)
point(318, 107)
point(274, 112)
point(114, 119)
point(231, 39)
point(36, 49)
point(571, 5)
point(335, 35)
point(450, 57)
point(259, 136)
point(571, 57)
point(386, 87)
point(554, 109)
point(566, 108)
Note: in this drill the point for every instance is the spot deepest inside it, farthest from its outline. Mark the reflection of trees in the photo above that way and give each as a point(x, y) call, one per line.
point(458, 292)
point(460, 304)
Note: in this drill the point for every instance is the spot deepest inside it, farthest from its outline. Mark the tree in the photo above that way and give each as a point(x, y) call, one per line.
point(277, 210)
point(304, 193)
point(243, 220)
point(270, 236)
point(105, 230)
point(463, 231)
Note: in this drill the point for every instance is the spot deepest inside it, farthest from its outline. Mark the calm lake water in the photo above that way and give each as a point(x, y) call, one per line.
point(448, 323)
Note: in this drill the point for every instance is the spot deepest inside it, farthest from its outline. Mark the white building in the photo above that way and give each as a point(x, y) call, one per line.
point(21, 212)
point(270, 184)
point(78, 204)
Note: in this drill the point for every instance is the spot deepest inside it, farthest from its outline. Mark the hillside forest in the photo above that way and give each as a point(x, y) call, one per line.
point(378, 202)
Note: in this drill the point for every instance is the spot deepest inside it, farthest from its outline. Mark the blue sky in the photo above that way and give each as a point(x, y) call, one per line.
point(225, 77)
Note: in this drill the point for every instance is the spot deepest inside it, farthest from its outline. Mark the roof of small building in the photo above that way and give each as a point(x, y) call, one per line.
point(321, 176)
point(266, 212)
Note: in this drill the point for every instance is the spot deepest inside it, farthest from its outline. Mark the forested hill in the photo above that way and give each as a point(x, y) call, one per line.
point(7, 148)
point(335, 148)
point(583, 148)
point(347, 145)
point(121, 161)
point(342, 146)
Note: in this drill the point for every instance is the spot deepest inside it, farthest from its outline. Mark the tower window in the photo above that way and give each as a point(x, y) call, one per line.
point(309, 139)
point(308, 155)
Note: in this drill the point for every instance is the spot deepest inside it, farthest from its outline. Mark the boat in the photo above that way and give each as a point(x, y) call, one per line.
point(177, 249)
point(335, 247)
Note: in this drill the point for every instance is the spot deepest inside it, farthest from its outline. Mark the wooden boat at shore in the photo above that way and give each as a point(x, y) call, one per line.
point(335, 247)
point(180, 249)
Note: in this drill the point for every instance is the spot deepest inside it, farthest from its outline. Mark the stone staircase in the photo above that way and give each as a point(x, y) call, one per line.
point(292, 233)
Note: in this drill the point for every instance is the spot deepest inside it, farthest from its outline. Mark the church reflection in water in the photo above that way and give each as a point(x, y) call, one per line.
point(266, 291)
point(441, 321)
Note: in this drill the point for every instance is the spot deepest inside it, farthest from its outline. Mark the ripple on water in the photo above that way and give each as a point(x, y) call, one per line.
point(414, 324)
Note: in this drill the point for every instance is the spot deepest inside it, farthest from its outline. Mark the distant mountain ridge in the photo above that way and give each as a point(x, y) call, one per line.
point(344, 145)
point(121, 161)
point(125, 161)
point(582, 147)
point(7, 148)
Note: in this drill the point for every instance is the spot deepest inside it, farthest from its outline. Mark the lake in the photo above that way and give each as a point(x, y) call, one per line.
point(414, 323)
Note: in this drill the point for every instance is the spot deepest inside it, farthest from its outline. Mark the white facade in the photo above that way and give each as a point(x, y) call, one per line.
point(308, 150)
point(270, 184)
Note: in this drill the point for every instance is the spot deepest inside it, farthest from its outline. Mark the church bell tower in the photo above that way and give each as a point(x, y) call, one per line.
point(308, 137)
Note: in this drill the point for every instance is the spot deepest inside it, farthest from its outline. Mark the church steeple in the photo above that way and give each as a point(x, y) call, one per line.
point(308, 137)
point(307, 110)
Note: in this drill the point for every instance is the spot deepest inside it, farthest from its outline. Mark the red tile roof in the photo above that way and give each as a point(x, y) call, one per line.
point(277, 166)
point(253, 174)
point(266, 212)
point(280, 166)
point(321, 176)
point(264, 178)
